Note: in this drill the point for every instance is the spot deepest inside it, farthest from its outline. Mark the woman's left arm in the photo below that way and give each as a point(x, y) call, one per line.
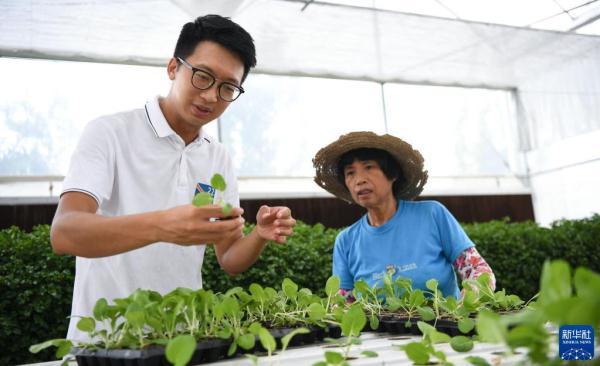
point(470, 264)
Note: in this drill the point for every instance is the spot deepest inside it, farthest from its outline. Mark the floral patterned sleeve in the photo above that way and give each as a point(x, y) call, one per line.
point(347, 294)
point(470, 264)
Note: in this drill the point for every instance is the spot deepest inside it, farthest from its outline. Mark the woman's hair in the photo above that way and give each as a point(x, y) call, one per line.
point(389, 166)
point(222, 31)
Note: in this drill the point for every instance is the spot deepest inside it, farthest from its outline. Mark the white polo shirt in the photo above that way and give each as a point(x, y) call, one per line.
point(133, 162)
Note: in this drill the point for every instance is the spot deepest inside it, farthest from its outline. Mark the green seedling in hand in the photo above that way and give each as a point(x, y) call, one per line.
point(204, 198)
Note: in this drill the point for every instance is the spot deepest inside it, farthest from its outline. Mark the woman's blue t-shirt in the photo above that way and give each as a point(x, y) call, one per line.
point(420, 242)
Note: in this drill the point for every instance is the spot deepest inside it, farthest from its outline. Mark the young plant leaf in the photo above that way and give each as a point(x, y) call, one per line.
point(285, 340)
point(135, 315)
point(218, 182)
point(63, 349)
point(461, 344)
point(246, 341)
point(477, 361)
point(224, 333)
point(417, 352)
point(202, 199)
point(368, 353)
point(316, 312)
point(417, 298)
point(587, 284)
point(374, 322)
point(426, 313)
point(353, 321)
point(332, 286)
point(393, 303)
point(465, 325)
point(180, 350)
point(432, 284)
point(86, 324)
point(431, 334)
point(362, 286)
point(290, 289)
point(526, 335)
point(50, 343)
point(334, 358)
point(257, 292)
point(232, 348)
point(267, 340)
point(100, 309)
point(425, 328)
point(254, 328)
point(555, 283)
point(470, 299)
point(490, 328)
point(354, 341)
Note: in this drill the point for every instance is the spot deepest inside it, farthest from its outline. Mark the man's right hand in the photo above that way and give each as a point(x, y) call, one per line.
point(189, 225)
point(78, 230)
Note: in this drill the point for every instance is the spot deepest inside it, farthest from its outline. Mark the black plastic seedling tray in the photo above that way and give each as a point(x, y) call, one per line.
point(206, 351)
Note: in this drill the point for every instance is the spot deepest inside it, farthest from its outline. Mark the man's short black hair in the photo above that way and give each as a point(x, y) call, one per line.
point(389, 166)
point(221, 30)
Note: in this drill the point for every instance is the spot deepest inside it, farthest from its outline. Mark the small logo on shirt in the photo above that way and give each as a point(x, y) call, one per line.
point(201, 187)
point(393, 269)
point(576, 342)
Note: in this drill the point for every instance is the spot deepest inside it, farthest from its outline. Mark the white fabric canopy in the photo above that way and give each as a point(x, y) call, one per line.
point(554, 76)
point(323, 40)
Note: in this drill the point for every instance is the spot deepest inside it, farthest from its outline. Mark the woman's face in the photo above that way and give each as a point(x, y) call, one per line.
point(367, 183)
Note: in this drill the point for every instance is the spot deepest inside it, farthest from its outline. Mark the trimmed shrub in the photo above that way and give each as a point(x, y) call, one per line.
point(517, 251)
point(305, 259)
point(37, 288)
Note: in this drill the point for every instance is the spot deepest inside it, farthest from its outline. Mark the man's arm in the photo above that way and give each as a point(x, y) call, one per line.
point(78, 230)
point(272, 223)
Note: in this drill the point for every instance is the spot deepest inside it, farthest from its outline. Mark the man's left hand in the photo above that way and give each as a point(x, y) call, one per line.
point(275, 223)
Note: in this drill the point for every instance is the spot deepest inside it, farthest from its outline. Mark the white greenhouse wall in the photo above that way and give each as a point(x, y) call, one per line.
point(565, 179)
point(560, 115)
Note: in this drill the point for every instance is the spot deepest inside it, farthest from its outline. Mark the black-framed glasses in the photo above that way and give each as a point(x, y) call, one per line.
point(205, 80)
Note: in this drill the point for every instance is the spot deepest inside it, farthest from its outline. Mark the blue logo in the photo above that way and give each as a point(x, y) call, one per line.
point(576, 342)
point(201, 187)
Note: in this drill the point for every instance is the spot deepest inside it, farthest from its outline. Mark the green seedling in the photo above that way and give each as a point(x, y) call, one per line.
point(422, 352)
point(461, 344)
point(353, 322)
point(204, 198)
point(477, 361)
point(333, 358)
point(63, 346)
point(370, 301)
point(180, 350)
point(436, 296)
point(182, 317)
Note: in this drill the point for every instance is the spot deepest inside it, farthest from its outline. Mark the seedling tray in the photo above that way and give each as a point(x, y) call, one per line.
point(206, 351)
point(210, 350)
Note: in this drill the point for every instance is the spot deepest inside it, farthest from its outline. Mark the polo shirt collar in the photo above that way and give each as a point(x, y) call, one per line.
point(157, 119)
point(161, 127)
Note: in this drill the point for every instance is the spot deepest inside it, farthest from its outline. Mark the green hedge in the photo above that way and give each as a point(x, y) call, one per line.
point(36, 288)
point(517, 251)
point(36, 285)
point(305, 258)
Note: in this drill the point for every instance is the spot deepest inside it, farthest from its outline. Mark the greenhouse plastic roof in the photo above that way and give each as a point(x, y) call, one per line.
point(322, 40)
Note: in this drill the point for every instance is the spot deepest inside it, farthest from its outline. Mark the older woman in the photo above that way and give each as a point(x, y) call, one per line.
point(414, 239)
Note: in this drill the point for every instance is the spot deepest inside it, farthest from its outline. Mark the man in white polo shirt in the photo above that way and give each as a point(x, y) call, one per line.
point(126, 211)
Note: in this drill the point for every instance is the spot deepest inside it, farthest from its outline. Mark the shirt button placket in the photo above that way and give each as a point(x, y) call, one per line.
point(182, 176)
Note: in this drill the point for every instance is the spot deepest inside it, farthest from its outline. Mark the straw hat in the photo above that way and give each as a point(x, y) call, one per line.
point(410, 162)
